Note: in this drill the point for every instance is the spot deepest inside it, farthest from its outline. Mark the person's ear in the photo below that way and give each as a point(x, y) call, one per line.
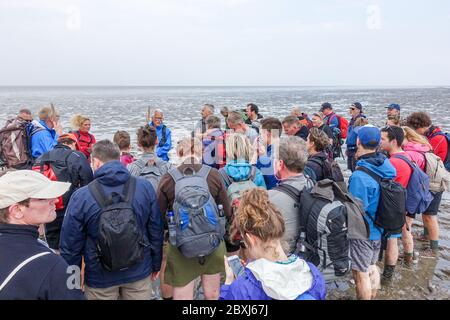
point(16, 211)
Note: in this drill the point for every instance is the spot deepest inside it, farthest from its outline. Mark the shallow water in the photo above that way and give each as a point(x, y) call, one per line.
point(125, 108)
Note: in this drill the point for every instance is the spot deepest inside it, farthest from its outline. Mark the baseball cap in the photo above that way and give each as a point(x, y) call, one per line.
point(393, 106)
point(369, 135)
point(20, 185)
point(70, 136)
point(326, 105)
point(357, 105)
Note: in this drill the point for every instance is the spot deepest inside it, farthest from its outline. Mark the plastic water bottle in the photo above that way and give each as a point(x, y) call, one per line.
point(302, 247)
point(222, 218)
point(172, 227)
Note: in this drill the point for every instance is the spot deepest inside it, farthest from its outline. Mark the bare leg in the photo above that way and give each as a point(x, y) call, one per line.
point(211, 286)
point(363, 285)
point(184, 293)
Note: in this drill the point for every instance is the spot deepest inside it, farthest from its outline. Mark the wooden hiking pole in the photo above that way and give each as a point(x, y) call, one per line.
point(148, 115)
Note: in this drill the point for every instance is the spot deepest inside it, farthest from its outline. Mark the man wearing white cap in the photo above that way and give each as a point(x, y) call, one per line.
point(29, 269)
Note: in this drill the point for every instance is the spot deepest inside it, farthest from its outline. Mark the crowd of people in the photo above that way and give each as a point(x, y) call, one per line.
point(255, 208)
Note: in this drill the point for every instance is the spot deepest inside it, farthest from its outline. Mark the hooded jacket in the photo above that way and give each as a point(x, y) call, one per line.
point(80, 228)
point(318, 169)
point(44, 278)
point(162, 151)
point(43, 138)
point(416, 153)
point(351, 135)
point(241, 170)
point(214, 152)
point(85, 142)
point(265, 164)
point(366, 189)
point(267, 280)
point(438, 141)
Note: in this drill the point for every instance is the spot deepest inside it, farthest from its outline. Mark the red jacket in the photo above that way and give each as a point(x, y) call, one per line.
point(85, 142)
point(438, 141)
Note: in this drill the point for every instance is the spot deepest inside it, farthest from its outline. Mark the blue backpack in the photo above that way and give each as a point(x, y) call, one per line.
point(447, 158)
point(418, 195)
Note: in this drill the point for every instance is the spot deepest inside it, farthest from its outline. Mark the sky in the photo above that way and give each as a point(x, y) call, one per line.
point(225, 42)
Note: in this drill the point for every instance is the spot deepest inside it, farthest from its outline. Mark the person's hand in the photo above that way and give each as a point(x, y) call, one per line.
point(229, 274)
point(154, 275)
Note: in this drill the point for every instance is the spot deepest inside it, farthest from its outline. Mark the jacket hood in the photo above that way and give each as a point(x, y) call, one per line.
point(283, 281)
point(238, 170)
point(112, 174)
point(320, 155)
point(158, 127)
point(418, 147)
point(379, 164)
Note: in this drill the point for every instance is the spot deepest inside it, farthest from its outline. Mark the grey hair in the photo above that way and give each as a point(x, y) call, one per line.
point(293, 152)
point(105, 151)
point(210, 107)
point(213, 122)
point(158, 110)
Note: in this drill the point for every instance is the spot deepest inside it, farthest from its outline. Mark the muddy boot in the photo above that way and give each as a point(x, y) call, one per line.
point(408, 260)
point(388, 275)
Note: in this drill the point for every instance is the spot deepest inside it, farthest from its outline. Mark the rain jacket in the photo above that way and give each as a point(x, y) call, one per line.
point(240, 171)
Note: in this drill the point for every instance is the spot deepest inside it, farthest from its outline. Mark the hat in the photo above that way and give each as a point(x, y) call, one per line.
point(369, 135)
point(20, 185)
point(393, 106)
point(326, 105)
point(70, 136)
point(357, 105)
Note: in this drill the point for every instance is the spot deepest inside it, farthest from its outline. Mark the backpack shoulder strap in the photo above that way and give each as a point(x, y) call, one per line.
point(225, 177)
point(374, 176)
point(20, 266)
point(204, 171)
point(289, 190)
point(176, 174)
point(129, 189)
point(398, 156)
point(252, 173)
point(97, 192)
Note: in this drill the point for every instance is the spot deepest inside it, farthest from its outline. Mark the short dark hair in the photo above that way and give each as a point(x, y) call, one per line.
point(253, 107)
point(122, 139)
point(394, 133)
point(417, 120)
point(147, 136)
point(105, 151)
point(4, 211)
point(271, 123)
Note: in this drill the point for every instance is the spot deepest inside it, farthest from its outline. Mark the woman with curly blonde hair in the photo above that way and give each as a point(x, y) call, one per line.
point(271, 274)
point(82, 125)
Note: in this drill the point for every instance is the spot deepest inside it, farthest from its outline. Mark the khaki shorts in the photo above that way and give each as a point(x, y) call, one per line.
point(138, 290)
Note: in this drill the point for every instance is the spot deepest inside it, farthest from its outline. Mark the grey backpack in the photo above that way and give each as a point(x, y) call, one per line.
point(152, 170)
point(199, 228)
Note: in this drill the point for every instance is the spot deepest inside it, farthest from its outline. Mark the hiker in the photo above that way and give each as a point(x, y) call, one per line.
point(164, 135)
point(82, 125)
point(317, 120)
point(292, 127)
point(237, 124)
point(123, 140)
point(224, 112)
point(214, 154)
point(302, 117)
point(66, 164)
point(271, 129)
point(44, 135)
point(125, 256)
point(196, 258)
point(152, 168)
point(239, 175)
point(338, 126)
point(416, 145)
point(364, 253)
point(289, 168)
point(317, 145)
point(393, 120)
point(200, 127)
point(391, 142)
point(15, 142)
point(29, 270)
point(421, 123)
point(270, 272)
point(393, 110)
point(253, 116)
point(357, 113)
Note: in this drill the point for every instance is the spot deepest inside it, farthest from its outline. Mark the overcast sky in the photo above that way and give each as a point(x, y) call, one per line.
point(225, 42)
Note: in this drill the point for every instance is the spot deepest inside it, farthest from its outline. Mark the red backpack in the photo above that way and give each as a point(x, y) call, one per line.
point(343, 125)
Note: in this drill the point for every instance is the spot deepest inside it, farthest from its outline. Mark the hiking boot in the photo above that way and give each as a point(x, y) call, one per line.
point(386, 281)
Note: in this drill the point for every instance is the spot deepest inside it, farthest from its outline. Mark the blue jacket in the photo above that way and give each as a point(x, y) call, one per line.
point(43, 139)
point(248, 287)
point(44, 278)
point(162, 152)
point(240, 170)
point(351, 135)
point(332, 121)
point(265, 164)
point(80, 228)
point(365, 188)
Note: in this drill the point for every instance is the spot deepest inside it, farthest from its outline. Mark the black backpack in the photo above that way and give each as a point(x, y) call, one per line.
point(331, 170)
point(120, 243)
point(391, 211)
